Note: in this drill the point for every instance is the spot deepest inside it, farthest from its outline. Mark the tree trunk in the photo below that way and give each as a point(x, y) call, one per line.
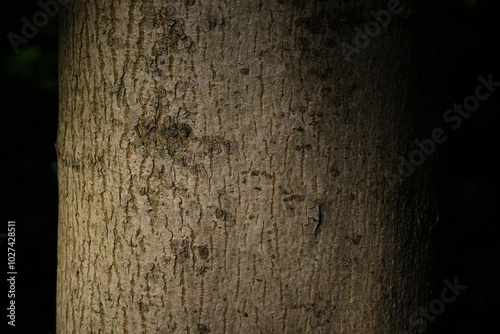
point(222, 167)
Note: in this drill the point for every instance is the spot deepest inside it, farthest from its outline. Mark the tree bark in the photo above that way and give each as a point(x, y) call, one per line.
point(222, 167)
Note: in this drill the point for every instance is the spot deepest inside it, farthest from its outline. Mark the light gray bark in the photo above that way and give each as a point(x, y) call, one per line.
point(222, 168)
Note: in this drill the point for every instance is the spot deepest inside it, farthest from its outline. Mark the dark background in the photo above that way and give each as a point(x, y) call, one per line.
point(467, 247)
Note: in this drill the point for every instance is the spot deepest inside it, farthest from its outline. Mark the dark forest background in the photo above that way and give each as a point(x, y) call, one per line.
point(468, 237)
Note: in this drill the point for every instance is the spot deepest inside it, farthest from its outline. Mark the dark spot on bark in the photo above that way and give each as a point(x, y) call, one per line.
point(258, 188)
point(255, 173)
point(220, 214)
point(202, 329)
point(217, 144)
point(303, 147)
point(180, 249)
point(299, 129)
point(267, 175)
point(190, 2)
point(201, 270)
point(225, 216)
point(174, 136)
point(245, 71)
point(212, 24)
point(203, 252)
point(334, 171)
point(230, 146)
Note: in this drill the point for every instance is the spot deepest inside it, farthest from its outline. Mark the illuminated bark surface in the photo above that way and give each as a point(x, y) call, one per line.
point(222, 167)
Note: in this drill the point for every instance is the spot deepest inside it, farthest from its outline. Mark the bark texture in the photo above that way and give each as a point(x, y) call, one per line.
point(222, 167)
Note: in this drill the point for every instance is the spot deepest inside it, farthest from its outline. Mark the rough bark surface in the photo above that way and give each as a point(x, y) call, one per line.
point(222, 167)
